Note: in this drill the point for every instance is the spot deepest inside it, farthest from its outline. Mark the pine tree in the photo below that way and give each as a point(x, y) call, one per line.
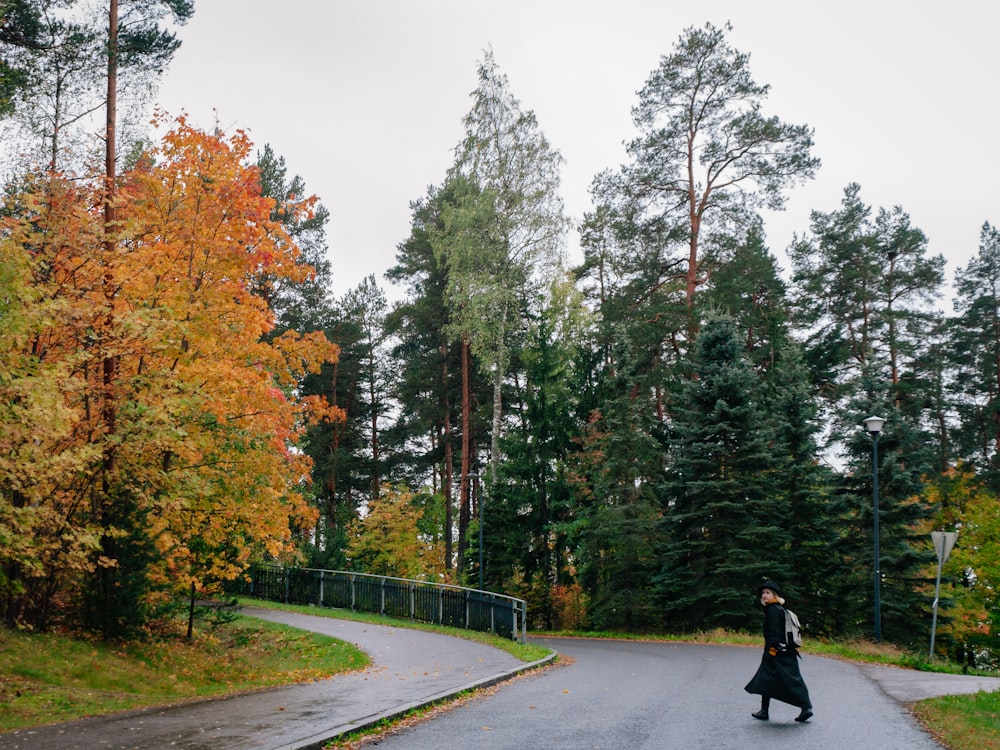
point(304, 305)
point(705, 158)
point(975, 354)
point(430, 426)
point(864, 289)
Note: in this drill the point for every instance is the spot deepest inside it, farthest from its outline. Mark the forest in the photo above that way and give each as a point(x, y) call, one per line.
point(630, 443)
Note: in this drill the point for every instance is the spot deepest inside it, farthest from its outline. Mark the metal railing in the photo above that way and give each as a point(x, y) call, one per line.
point(423, 601)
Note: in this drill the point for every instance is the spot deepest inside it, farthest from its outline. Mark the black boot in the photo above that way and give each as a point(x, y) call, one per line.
point(765, 703)
point(806, 714)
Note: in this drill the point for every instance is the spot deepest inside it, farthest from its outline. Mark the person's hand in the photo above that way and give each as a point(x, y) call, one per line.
point(772, 651)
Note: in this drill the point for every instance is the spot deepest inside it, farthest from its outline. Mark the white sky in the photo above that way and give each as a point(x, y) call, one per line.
point(364, 98)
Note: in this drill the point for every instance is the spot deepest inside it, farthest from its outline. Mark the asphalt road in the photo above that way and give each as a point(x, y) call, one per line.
point(617, 695)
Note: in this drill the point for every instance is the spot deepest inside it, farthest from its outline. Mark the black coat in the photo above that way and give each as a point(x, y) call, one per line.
point(778, 675)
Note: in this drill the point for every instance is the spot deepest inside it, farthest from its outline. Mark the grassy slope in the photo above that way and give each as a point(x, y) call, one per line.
point(48, 677)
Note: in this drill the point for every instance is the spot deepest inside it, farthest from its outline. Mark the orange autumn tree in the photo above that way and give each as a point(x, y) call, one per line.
point(206, 476)
point(207, 236)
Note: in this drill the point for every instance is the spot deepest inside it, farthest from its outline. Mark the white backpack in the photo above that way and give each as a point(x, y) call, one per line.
point(793, 630)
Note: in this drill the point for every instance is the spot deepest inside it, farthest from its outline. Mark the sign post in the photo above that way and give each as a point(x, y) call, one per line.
point(943, 543)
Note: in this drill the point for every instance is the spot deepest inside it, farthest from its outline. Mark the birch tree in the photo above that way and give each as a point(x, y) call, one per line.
point(975, 345)
point(507, 229)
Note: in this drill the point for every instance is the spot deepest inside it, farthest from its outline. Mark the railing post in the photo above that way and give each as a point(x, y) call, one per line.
point(381, 610)
point(353, 599)
point(322, 575)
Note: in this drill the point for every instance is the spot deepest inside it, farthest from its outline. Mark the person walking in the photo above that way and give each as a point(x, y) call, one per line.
point(778, 675)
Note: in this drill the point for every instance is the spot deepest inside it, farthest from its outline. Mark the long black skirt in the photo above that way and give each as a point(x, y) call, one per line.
point(778, 677)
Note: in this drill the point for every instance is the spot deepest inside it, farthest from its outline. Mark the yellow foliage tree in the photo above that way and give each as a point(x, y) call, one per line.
point(205, 474)
point(387, 540)
point(969, 609)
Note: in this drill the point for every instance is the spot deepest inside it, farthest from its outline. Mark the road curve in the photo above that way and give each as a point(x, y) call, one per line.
point(617, 695)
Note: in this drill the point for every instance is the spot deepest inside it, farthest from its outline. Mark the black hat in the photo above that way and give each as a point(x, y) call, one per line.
point(770, 585)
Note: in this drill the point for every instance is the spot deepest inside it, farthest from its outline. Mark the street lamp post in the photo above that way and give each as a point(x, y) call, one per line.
point(874, 427)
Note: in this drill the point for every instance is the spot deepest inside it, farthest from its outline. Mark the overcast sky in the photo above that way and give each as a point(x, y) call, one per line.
point(364, 98)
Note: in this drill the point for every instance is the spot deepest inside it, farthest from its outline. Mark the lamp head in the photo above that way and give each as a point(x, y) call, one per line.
point(874, 425)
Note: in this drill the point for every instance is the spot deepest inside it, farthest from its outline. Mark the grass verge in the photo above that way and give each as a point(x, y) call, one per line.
point(49, 677)
point(963, 722)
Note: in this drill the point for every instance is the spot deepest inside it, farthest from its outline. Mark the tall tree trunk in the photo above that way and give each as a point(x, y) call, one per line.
point(372, 396)
point(109, 368)
point(995, 385)
point(497, 418)
point(449, 464)
point(463, 492)
point(330, 480)
point(111, 115)
point(191, 601)
point(110, 363)
point(498, 374)
point(694, 223)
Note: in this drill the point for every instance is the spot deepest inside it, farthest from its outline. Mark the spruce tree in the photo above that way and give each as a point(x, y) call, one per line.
point(748, 287)
point(804, 483)
point(725, 528)
point(528, 507)
point(616, 516)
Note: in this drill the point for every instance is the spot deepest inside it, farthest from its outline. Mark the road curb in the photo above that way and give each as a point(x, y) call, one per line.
point(367, 722)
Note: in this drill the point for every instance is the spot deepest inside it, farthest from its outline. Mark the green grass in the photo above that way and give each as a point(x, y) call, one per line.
point(963, 722)
point(50, 677)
